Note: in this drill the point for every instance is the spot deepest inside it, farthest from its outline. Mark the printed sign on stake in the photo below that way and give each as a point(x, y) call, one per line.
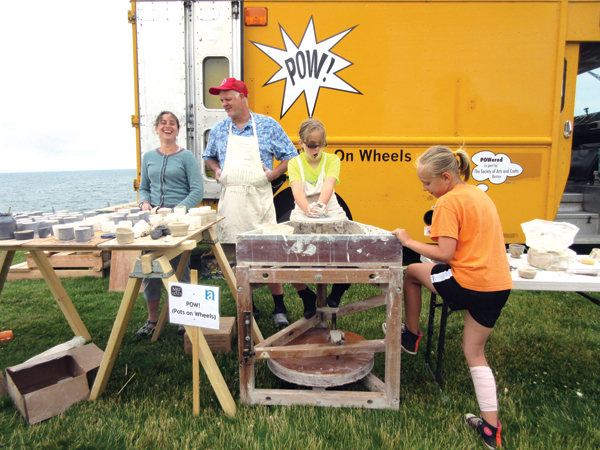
point(195, 305)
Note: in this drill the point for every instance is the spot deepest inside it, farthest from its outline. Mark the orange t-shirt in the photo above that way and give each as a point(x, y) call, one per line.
point(469, 215)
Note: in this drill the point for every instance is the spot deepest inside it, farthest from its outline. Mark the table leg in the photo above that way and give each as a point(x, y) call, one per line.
point(393, 337)
point(162, 319)
point(204, 355)
point(230, 278)
point(57, 289)
point(6, 259)
point(116, 336)
point(193, 335)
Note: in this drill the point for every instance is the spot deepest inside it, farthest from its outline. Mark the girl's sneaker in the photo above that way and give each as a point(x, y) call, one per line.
point(491, 435)
point(410, 341)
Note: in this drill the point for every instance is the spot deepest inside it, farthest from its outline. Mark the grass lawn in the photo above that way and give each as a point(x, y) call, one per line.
point(545, 353)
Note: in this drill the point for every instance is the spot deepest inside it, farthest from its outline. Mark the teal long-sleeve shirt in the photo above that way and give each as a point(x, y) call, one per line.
point(171, 180)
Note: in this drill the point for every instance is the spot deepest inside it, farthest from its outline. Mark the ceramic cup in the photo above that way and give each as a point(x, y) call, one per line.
point(179, 228)
point(124, 235)
point(81, 235)
point(66, 233)
point(44, 232)
point(164, 211)
point(516, 250)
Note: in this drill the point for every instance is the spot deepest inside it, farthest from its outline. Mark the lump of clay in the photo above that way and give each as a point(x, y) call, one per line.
point(550, 260)
point(318, 208)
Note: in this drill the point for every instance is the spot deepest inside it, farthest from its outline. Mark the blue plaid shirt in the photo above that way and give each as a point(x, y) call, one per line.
point(272, 140)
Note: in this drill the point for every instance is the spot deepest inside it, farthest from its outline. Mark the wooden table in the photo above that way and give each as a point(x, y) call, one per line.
point(545, 280)
point(153, 264)
point(36, 247)
point(156, 264)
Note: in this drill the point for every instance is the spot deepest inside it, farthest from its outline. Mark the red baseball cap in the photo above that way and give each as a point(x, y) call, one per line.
point(230, 84)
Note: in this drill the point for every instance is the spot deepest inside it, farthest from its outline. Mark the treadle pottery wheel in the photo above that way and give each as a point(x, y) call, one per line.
point(323, 371)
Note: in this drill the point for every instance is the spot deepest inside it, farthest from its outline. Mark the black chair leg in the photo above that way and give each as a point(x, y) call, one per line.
point(441, 340)
point(432, 306)
point(446, 311)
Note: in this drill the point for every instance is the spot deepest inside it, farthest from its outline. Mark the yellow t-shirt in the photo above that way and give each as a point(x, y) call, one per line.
point(332, 168)
point(469, 215)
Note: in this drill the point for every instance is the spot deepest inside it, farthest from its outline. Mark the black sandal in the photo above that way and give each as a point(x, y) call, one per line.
point(146, 330)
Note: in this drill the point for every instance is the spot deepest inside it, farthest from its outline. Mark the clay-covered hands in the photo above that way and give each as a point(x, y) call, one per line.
point(146, 206)
point(402, 236)
point(317, 209)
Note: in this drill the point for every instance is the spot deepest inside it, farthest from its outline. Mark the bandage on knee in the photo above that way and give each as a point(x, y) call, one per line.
point(485, 388)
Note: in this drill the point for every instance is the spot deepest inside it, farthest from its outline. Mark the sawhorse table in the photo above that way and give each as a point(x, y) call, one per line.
point(156, 264)
point(37, 248)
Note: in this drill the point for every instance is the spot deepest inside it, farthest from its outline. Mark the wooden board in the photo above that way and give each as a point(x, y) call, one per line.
point(147, 243)
point(373, 247)
point(96, 260)
point(120, 268)
point(323, 371)
point(33, 274)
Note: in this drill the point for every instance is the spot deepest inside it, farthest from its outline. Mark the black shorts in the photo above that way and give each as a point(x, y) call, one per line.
point(484, 307)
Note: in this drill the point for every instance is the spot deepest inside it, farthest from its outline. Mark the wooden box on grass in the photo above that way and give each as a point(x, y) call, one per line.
point(219, 341)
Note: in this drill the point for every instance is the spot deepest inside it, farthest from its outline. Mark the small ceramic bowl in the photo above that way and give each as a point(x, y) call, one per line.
point(124, 235)
point(179, 228)
point(527, 272)
point(66, 233)
point(44, 232)
point(24, 235)
point(516, 250)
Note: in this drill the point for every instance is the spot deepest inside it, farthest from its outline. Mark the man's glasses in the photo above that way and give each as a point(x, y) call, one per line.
point(313, 146)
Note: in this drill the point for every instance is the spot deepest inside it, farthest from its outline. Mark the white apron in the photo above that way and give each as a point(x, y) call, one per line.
point(312, 194)
point(246, 193)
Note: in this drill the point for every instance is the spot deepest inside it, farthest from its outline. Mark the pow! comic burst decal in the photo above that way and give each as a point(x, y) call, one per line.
point(307, 67)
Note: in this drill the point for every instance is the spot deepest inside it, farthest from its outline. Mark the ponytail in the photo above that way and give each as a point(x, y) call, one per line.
point(439, 159)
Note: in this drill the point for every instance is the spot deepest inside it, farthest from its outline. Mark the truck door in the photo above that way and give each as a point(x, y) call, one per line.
point(181, 50)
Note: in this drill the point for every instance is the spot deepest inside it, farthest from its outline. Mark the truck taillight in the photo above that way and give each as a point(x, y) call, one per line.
point(255, 17)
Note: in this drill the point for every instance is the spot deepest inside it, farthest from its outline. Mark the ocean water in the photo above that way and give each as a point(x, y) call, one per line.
point(76, 191)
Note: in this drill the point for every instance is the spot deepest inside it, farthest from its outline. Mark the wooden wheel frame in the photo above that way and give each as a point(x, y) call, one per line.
point(381, 395)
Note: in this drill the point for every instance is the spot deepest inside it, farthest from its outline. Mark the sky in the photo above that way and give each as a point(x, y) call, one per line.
point(66, 86)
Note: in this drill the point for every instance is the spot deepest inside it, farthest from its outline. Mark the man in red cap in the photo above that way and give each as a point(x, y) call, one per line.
point(240, 151)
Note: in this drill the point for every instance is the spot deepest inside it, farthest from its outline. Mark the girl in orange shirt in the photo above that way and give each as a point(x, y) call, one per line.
point(473, 275)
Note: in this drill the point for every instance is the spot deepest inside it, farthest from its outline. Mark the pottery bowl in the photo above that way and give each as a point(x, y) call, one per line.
point(44, 232)
point(516, 250)
point(527, 272)
point(66, 233)
point(24, 235)
point(178, 228)
point(124, 235)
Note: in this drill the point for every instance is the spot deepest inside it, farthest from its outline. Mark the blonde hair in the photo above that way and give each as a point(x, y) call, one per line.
point(308, 127)
point(439, 159)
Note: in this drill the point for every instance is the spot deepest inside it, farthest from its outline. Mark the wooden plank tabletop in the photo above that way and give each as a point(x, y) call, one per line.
point(147, 243)
point(98, 243)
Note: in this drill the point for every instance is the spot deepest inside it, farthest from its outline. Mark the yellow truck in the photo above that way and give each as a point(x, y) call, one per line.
point(388, 79)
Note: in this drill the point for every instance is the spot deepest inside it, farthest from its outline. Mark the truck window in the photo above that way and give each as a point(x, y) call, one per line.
point(214, 70)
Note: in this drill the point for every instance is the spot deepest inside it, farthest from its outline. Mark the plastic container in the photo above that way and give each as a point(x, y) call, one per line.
point(6, 335)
